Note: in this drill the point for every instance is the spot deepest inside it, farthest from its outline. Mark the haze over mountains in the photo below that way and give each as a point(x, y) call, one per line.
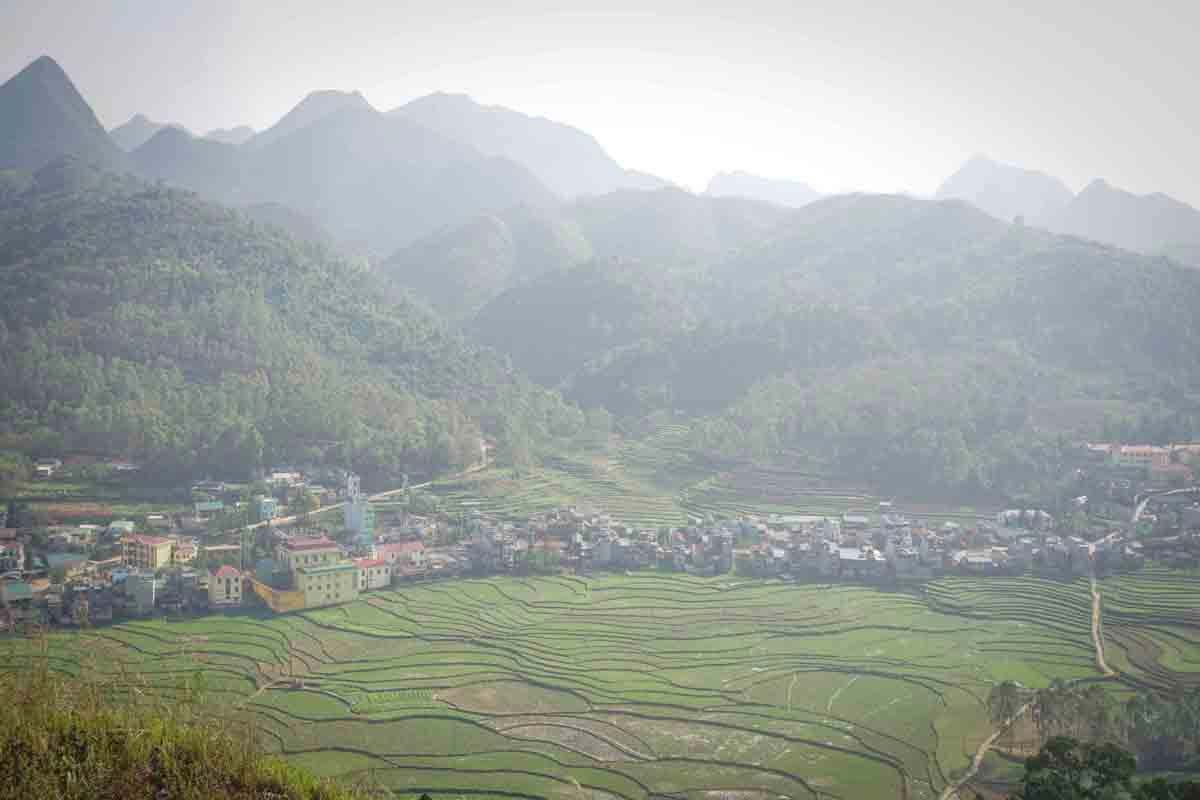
point(793, 194)
point(137, 131)
point(1154, 224)
point(570, 162)
point(764, 316)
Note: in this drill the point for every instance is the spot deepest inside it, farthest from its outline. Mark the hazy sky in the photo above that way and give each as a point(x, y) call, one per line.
point(844, 95)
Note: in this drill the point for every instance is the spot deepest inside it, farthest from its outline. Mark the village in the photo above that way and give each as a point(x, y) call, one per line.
point(284, 554)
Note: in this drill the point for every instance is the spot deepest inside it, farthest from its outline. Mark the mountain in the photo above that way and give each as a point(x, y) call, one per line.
point(1152, 223)
point(43, 116)
point(672, 227)
point(237, 135)
point(314, 107)
point(378, 183)
point(138, 320)
point(849, 247)
point(911, 343)
point(462, 268)
point(767, 190)
point(173, 155)
point(458, 270)
point(567, 160)
point(1006, 192)
point(299, 226)
point(137, 131)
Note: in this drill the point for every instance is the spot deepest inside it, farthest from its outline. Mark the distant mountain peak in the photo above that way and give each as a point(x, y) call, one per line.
point(314, 107)
point(137, 131)
point(781, 192)
point(1006, 191)
point(43, 116)
point(566, 159)
point(45, 66)
point(1149, 223)
point(239, 134)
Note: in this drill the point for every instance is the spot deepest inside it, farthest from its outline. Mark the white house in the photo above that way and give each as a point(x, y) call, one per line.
point(373, 573)
point(225, 587)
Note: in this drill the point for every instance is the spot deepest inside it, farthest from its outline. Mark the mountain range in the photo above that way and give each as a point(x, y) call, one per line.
point(958, 333)
point(137, 131)
point(568, 161)
point(1154, 224)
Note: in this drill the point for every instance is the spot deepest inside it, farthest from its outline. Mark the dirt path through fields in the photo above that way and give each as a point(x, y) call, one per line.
point(951, 791)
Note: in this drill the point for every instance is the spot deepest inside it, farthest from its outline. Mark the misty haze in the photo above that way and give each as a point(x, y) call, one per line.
point(611, 402)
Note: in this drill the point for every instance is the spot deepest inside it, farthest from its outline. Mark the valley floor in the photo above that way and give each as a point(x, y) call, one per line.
point(647, 684)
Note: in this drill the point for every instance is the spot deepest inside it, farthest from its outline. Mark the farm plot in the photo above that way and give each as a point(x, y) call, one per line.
point(625, 687)
point(1152, 626)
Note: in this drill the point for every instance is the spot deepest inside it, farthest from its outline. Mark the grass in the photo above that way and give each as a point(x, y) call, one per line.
point(80, 739)
point(622, 686)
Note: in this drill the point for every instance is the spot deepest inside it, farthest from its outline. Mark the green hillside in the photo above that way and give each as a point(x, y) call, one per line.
point(138, 320)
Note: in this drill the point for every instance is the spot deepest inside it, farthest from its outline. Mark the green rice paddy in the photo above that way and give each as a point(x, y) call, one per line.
point(645, 685)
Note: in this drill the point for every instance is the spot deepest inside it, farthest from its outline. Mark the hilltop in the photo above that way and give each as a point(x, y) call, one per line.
point(43, 116)
point(570, 162)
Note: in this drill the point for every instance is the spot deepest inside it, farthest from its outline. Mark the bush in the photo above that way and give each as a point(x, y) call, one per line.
point(76, 740)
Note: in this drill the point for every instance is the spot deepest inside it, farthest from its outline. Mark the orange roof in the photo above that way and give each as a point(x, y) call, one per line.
point(366, 563)
point(226, 571)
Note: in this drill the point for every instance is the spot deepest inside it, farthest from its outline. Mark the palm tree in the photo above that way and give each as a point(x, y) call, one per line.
point(1004, 701)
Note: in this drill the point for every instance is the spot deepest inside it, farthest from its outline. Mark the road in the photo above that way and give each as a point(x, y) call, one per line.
point(951, 791)
point(284, 522)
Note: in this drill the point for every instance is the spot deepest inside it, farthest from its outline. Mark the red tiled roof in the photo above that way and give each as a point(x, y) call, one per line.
point(366, 563)
point(320, 543)
point(226, 571)
point(401, 547)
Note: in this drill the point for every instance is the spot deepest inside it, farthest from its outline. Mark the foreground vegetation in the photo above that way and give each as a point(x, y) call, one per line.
point(77, 740)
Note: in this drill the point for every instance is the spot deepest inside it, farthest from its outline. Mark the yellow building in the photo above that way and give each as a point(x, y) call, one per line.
point(327, 584)
point(147, 552)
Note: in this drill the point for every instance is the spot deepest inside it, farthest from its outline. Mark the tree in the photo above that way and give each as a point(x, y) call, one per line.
point(1004, 701)
point(1064, 769)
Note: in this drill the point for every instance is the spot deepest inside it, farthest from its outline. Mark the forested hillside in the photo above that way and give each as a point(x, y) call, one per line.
point(912, 342)
point(139, 321)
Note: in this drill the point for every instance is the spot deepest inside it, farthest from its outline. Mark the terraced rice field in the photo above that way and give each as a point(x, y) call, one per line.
point(1152, 626)
point(563, 482)
point(626, 485)
point(621, 687)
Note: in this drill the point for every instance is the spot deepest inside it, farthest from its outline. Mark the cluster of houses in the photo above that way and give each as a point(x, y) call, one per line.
point(169, 564)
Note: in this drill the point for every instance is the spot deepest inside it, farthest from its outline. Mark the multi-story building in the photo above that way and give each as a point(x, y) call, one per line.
point(307, 552)
point(373, 573)
point(147, 552)
point(225, 587)
point(327, 584)
point(401, 556)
